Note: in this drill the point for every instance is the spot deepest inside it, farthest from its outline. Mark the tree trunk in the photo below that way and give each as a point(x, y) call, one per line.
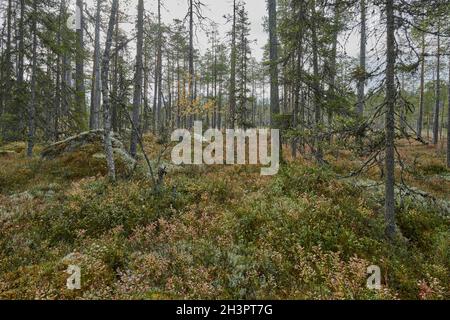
point(273, 42)
point(32, 103)
point(232, 115)
point(422, 90)
point(20, 68)
point(94, 122)
point(137, 98)
point(448, 116)
point(391, 95)
point(191, 58)
point(115, 80)
point(159, 72)
point(438, 92)
point(105, 91)
point(79, 86)
point(316, 89)
point(333, 63)
point(362, 60)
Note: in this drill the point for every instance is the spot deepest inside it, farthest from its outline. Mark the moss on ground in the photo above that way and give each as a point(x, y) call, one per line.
point(215, 232)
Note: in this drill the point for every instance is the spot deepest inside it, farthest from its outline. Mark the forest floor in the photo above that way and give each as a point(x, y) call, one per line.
point(221, 231)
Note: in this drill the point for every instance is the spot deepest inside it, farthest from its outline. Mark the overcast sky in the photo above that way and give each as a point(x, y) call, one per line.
point(215, 11)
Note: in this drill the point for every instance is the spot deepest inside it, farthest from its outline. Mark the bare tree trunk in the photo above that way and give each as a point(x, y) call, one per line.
point(146, 87)
point(191, 58)
point(94, 122)
point(316, 89)
point(448, 116)
point(299, 76)
point(274, 90)
point(8, 54)
point(422, 89)
point(232, 115)
point(391, 96)
point(32, 103)
point(105, 91)
point(362, 60)
point(115, 80)
point(159, 71)
point(137, 99)
point(20, 68)
point(438, 92)
point(333, 71)
point(80, 88)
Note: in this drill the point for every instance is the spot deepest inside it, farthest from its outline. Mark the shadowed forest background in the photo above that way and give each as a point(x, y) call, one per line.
point(89, 98)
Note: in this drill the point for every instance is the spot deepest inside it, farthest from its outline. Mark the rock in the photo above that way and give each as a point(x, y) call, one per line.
point(76, 142)
point(95, 137)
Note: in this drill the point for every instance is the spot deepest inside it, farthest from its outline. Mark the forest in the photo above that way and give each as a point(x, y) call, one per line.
point(355, 93)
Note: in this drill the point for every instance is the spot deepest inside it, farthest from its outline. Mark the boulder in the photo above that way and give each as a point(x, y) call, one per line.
point(95, 137)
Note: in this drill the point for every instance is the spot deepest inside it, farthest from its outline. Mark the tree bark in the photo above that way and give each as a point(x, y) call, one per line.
point(32, 103)
point(20, 67)
point(105, 91)
point(94, 122)
point(448, 116)
point(438, 93)
point(422, 90)
point(191, 59)
point(316, 89)
point(232, 116)
point(159, 71)
point(362, 60)
point(391, 96)
point(274, 90)
point(137, 98)
point(79, 86)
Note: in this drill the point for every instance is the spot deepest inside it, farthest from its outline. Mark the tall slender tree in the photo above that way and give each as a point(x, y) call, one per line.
point(232, 94)
point(94, 122)
point(448, 115)
point(362, 59)
point(138, 78)
point(391, 97)
point(105, 92)
point(34, 69)
point(79, 78)
point(273, 43)
point(438, 91)
point(316, 86)
point(422, 89)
